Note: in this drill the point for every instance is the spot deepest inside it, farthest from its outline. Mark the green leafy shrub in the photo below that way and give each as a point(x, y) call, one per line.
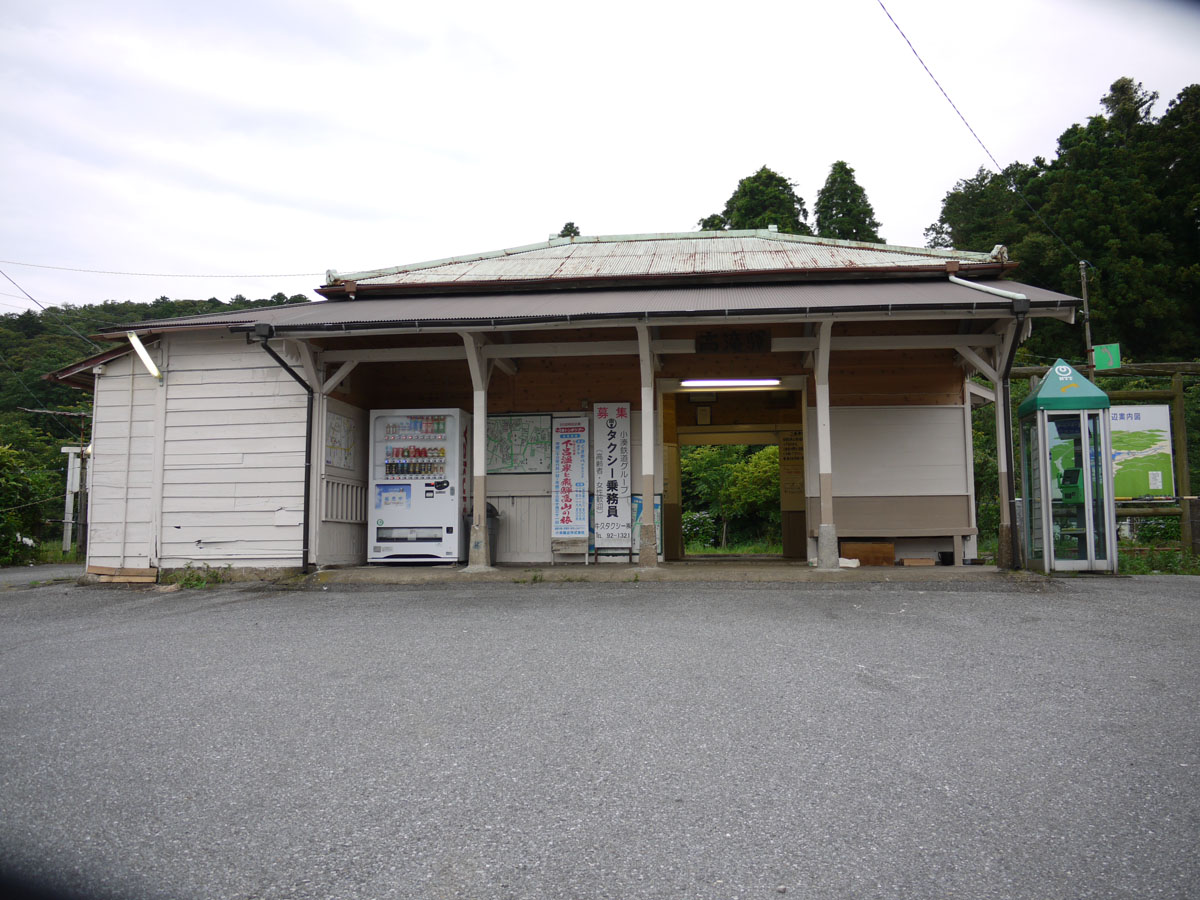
point(27, 494)
point(699, 528)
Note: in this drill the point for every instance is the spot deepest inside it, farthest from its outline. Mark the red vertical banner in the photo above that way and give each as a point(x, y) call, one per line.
point(569, 478)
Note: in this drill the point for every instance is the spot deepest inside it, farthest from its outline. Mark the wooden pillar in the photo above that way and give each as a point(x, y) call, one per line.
point(827, 544)
point(648, 554)
point(1183, 486)
point(479, 555)
point(672, 512)
point(1004, 548)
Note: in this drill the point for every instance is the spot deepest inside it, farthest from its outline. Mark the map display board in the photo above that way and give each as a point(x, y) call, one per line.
point(341, 441)
point(518, 445)
point(1143, 464)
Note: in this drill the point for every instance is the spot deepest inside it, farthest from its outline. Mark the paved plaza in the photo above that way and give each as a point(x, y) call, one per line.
point(987, 737)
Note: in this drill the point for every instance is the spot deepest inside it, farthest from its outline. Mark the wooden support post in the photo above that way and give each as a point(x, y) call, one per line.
point(648, 536)
point(827, 544)
point(1183, 485)
point(1004, 546)
point(479, 555)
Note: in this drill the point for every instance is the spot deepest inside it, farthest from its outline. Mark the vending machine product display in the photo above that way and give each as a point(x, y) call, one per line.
point(420, 468)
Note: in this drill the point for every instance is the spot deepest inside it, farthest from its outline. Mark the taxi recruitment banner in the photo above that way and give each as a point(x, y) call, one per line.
point(569, 485)
point(612, 470)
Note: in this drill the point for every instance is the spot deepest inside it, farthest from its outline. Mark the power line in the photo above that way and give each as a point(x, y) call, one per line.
point(999, 169)
point(32, 394)
point(12, 262)
point(31, 297)
point(34, 503)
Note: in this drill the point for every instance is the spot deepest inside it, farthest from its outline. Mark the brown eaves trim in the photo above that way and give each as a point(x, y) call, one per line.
point(348, 290)
point(79, 375)
point(340, 317)
point(815, 312)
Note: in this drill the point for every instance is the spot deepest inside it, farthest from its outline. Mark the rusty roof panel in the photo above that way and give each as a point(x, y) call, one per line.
point(673, 263)
point(761, 250)
point(668, 256)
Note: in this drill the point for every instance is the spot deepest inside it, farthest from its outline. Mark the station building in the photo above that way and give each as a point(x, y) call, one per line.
point(242, 437)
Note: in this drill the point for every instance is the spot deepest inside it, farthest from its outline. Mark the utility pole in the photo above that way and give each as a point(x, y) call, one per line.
point(1087, 320)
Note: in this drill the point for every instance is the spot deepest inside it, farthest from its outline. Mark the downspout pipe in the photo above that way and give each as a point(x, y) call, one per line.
point(1020, 308)
point(263, 332)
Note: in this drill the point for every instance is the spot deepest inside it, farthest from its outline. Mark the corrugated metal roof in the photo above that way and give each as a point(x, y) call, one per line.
point(815, 298)
point(693, 253)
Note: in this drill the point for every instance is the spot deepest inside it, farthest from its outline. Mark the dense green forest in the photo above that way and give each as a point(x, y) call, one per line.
point(32, 466)
point(1122, 193)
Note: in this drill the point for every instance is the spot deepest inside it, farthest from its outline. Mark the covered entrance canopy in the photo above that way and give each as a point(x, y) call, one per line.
point(872, 345)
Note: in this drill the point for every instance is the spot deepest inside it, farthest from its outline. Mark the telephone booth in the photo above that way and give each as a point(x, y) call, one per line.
point(1070, 519)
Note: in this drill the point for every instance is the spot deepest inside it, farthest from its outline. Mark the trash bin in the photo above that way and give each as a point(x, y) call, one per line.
point(493, 520)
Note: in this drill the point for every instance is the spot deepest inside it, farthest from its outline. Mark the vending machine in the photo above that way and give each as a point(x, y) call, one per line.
point(420, 470)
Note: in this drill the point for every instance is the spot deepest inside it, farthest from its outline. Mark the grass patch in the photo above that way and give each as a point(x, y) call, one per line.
point(51, 553)
point(746, 548)
point(197, 577)
point(1157, 561)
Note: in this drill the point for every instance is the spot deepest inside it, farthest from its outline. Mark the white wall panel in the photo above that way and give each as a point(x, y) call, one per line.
point(893, 451)
point(233, 460)
point(120, 502)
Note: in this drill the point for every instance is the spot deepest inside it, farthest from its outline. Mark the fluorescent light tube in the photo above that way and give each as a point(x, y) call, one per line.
point(729, 382)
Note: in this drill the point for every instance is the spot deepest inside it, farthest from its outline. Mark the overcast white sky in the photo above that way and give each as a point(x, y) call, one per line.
point(257, 137)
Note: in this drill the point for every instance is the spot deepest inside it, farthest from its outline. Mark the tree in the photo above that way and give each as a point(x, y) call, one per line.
point(733, 486)
point(569, 230)
point(1123, 193)
point(763, 199)
point(842, 209)
point(1128, 105)
point(32, 343)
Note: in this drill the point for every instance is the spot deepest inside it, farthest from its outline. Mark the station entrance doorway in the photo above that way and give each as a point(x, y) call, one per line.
point(700, 431)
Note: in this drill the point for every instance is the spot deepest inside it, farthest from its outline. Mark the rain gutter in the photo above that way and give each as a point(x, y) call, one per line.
point(263, 333)
point(1020, 309)
point(485, 321)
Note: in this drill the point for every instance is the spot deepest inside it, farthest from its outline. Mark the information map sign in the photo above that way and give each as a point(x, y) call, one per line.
point(569, 478)
point(518, 445)
point(612, 469)
point(1143, 465)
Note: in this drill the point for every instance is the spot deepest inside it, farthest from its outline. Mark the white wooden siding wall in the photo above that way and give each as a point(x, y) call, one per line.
point(233, 457)
point(121, 514)
point(894, 451)
point(523, 502)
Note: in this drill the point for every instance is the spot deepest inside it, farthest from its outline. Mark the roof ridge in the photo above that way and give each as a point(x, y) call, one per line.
point(333, 277)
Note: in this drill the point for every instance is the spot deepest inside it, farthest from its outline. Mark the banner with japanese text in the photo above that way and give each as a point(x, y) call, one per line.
point(569, 486)
point(612, 470)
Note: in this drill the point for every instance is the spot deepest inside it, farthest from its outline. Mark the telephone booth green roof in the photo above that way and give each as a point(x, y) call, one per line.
point(1063, 388)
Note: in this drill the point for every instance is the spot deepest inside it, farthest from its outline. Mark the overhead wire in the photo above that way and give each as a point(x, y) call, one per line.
point(43, 308)
point(34, 503)
point(30, 392)
point(999, 169)
point(11, 262)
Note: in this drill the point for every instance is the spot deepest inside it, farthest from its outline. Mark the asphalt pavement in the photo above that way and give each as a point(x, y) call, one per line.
point(990, 738)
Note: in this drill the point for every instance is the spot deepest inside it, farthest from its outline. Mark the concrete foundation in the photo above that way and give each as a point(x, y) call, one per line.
point(1004, 556)
point(479, 555)
point(827, 547)
point(648, 551)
